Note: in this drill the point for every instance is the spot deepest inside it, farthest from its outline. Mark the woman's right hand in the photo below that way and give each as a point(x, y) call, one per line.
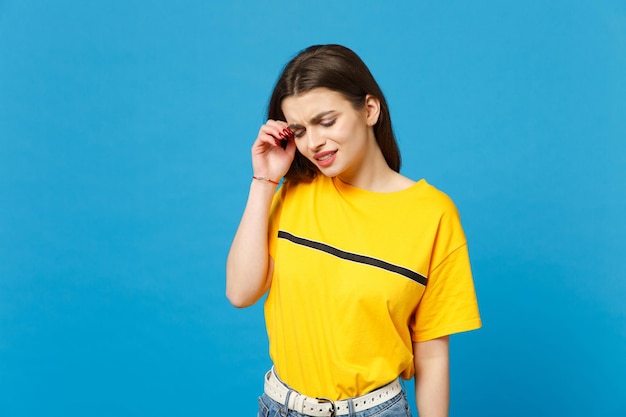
point(269, 159)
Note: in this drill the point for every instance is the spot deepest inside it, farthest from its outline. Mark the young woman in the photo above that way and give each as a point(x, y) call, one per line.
point(367, 270)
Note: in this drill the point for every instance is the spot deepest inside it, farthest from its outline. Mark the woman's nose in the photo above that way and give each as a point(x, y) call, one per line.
point(315, 140)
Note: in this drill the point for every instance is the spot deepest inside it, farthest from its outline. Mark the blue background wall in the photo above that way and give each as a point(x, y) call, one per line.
point(125, 129)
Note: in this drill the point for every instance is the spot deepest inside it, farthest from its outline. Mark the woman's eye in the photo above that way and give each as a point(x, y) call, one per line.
point(328, 123)
point(299, 133)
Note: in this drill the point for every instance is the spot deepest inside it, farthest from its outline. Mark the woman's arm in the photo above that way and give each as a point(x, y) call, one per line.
point(432, 377)
point(249, 267)
point(248, 275)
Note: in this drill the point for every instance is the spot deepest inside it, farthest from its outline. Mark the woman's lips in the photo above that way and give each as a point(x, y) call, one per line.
point(325, 159)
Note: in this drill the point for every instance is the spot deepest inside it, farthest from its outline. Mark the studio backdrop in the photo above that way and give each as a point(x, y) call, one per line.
point(125, 134)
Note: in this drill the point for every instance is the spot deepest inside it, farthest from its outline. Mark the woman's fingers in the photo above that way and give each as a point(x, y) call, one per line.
point(274, 149)
point(276, 132)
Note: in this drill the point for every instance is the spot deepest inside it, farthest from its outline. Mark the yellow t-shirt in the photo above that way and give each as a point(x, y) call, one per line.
point(358, 277)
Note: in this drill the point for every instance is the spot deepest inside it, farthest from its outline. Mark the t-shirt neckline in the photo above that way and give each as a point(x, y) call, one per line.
point(351, 190)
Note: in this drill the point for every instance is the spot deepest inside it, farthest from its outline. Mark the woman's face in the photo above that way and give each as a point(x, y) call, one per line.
point(337, 138)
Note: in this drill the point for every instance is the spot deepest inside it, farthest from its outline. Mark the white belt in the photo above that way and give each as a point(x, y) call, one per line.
point(324, 407)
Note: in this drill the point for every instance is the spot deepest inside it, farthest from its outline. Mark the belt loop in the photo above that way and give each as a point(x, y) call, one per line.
point(351, 412)
point(285, 409)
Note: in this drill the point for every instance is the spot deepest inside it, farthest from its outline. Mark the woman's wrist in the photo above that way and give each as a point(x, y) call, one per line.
point(265, 179)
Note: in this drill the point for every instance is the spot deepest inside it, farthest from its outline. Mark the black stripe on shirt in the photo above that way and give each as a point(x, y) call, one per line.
point(349, 256)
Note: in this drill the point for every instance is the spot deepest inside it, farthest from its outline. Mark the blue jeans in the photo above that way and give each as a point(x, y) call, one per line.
point(397, 406)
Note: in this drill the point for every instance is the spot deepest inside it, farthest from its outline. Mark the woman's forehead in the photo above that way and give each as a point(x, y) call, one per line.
point(307, 105)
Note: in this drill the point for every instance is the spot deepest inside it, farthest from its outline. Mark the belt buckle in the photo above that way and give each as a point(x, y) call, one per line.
point(332, 404)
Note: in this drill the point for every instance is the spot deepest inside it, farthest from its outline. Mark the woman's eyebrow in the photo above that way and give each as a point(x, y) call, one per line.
point(315, 119)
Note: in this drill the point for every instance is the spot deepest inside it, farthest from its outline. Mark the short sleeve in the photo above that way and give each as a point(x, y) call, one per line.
point(449, 304)
point(274, 220)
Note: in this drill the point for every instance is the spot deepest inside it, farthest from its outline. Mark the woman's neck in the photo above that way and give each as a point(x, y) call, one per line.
point(373, 174)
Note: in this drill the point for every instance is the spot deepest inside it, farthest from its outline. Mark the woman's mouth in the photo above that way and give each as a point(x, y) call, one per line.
point(324, 159)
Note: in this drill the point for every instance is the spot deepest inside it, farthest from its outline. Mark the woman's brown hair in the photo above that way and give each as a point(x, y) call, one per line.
point(339, 69)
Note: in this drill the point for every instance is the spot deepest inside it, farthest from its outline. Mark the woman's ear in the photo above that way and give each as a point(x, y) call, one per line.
point(372, 109)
